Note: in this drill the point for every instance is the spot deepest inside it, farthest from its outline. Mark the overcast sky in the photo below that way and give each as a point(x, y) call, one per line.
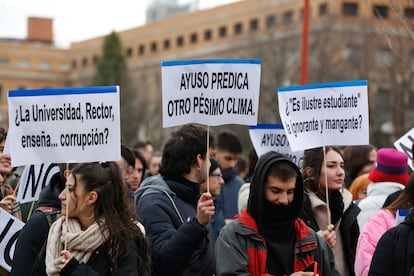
point(77, 20)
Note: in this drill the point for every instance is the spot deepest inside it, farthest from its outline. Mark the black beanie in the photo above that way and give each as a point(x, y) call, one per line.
point(214, 165)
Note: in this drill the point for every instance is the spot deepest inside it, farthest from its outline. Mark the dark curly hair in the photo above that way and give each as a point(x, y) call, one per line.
point(181, 150)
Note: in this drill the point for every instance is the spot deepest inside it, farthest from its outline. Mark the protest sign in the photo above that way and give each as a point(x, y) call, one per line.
point(325, 114)
point(404, 144)
point(10, 228)
point(210, 92)
point(34, 179)
point(272, 137)
point(64, 125)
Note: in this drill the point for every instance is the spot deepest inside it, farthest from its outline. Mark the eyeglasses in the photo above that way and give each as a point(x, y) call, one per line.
point(218, 175)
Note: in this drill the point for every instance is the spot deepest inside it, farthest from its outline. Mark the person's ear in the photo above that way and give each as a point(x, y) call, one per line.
point(199, 161)
point(66, 174)
point(92, 197)
point(309, 172)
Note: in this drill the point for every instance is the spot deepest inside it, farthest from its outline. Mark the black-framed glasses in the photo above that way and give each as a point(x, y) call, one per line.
point(218, 175)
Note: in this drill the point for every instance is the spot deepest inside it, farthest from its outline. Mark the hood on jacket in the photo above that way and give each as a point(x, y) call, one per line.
point(49, 194)
point(152, 184)
point(256, 202)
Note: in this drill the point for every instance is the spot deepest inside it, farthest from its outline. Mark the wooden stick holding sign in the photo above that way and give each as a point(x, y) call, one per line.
point(317, 115)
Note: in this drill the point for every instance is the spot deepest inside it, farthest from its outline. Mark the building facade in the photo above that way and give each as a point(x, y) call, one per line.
point(349, 40)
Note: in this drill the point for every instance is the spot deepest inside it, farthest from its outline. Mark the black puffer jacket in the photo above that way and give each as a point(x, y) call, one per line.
point(348, 227)
point(35, 231)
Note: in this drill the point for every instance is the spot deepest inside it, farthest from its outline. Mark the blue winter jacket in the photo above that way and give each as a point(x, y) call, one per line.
point(180, 245)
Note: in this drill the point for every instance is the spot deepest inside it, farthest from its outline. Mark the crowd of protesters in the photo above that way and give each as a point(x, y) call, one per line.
point(201, 207)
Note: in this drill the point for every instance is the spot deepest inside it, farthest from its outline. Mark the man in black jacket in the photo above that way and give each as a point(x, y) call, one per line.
point(170, 207)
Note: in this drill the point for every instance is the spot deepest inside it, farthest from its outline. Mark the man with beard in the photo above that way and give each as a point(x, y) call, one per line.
point(170, 207)
point(269, 238)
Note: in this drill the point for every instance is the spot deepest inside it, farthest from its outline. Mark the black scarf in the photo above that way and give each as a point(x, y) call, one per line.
point(336, 205)
point(279, 232)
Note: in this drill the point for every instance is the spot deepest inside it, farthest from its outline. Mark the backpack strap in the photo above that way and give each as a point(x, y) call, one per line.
point(51, 213)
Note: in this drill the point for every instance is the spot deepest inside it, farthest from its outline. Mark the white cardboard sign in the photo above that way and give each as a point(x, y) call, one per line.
point(10, 228)
point(64, 125)
point(272, 137)
point(210, 92)
point(34, 179)
point(404, 145)
point(325, 114)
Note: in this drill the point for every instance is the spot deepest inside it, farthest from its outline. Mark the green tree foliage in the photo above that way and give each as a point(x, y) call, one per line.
point(112, 69)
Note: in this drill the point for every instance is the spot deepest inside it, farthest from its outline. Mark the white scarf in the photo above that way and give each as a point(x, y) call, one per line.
point(80, 243)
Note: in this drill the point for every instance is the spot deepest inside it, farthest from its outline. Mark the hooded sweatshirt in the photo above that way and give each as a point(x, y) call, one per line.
point(267, 239)
point(275, 222)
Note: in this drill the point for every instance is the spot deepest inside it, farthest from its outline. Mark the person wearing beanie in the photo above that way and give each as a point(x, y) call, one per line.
point(268, 237)
point(389, 176)
point(215, 181)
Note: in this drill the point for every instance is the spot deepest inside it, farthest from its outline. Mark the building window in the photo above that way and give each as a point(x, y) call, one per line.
point(352, 54)
point(180, 41)
point(350, 9)
point(293, 57)
point(223, 31)
point(74, 64)
point(270, 21)
point(153, 47)
point(141, 50)
point(23, 63)
point(287, 17)
point(383, 100)
point(254, 25)
point(129, 52)
point(409, 13)
point(193, 38)
point(84, 62)
point(44, 65)
point(64, 67)
point(411, 60)
point(384, 58)
point(4, 61)
point(95, 59)
point(238, 28)
point(411, 98)
point(323, 9)
point(380, 11)
point(207, 34)
point(167, 44)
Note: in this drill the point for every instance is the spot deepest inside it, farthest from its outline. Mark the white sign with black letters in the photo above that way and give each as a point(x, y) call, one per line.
point(64, 125)
point(210, 92)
